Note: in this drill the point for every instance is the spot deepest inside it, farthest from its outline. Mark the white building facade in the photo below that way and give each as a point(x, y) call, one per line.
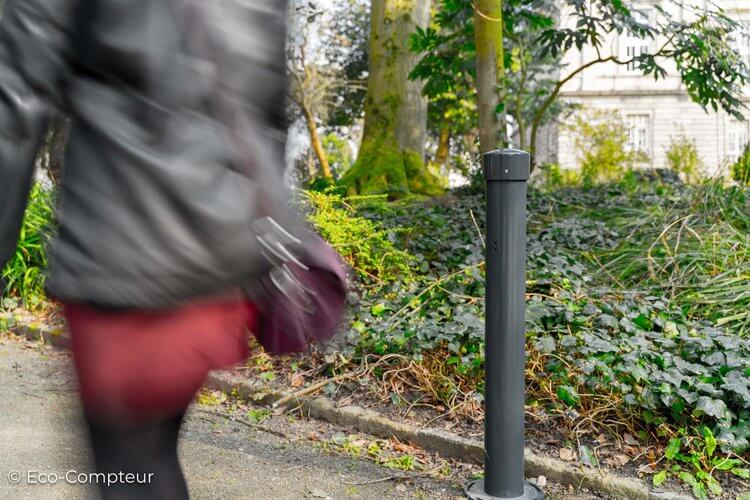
point(654, 111)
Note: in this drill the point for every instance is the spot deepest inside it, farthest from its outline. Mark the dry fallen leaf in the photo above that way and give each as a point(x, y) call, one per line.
point(630, 440)
point(362, 443)
point(297, 380)
point(344, 402)
point(567, 454)
point(617, 460)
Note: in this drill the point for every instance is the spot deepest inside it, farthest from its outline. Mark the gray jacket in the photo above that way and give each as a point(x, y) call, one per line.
point(152, 210)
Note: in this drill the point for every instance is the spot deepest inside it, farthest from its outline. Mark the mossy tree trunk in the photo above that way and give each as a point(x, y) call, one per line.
point(488, 34)
point(391, 156)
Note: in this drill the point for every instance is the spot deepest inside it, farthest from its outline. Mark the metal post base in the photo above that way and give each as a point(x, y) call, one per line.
point(475, 491)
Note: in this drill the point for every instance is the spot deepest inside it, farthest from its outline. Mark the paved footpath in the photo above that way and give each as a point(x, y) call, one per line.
point(40, 435)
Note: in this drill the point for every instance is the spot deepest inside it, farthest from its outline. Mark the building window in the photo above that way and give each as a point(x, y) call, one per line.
point(632, 44)
point(639, 132)
point(736, 139)
point(631, 52)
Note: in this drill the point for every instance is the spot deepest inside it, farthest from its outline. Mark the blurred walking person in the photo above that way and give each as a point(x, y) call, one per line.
point(172, 202)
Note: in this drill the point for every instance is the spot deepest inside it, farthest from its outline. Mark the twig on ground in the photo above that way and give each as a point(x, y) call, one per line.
point(381, 480)
point(311, 389)
point(247, 424)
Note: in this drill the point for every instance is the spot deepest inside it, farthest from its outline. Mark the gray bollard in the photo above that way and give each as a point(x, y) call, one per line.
point(506, 173)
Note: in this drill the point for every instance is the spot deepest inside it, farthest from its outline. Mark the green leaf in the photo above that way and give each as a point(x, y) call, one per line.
point(710, 440)
point(545, 345)
point(712, 407)
point(743, 473)
point(587, 457)
point(379, 308)
point(568, 395)
point(699, 491)
point(643, 322)
point(659, 478)
point(724, 463)
point(673, 448)
point(713, 486)
point(687, 478)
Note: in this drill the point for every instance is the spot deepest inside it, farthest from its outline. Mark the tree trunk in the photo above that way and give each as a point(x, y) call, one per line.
point(443, 150)
point(391, 156)
point(488, 35)
point(311, 172)
point(317, 146)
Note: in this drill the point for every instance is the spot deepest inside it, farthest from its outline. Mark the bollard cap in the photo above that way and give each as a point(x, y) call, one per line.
point(506, 165)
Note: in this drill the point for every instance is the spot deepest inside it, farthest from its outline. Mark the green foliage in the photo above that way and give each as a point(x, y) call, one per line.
point(604, 343)
point(696, 43)
point(257, 416)
point(365, 245)
point(25, 273)
point(338, 152)
point(552, 177)
point(683, 159)
point(692, 457)
point(448, 71)
point(741, 168)
point(600, 138)
point(325, 185)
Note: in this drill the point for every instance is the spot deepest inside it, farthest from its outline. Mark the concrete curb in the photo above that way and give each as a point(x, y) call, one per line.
point(445, 444)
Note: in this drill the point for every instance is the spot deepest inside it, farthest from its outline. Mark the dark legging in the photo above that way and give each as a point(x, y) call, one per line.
point(148, 453)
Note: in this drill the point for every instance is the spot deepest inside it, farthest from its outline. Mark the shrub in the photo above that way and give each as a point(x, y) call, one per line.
point(25, 273)
point(683, 159)
point(741, 168)
point(555, 177)
point(600, 137)
point(366, 246)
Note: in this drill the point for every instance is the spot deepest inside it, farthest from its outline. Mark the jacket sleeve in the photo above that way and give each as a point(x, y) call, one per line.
point(34, 41)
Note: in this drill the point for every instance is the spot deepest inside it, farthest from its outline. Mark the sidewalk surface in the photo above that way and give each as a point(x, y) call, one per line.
point(40, 435)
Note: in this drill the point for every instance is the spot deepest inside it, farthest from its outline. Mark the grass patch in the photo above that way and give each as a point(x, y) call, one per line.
point(25, 274)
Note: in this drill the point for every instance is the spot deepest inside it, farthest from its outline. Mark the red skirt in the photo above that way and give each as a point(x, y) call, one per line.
point(139, 366)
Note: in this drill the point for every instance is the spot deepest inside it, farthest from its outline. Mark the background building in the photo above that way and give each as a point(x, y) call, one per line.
point(653, 111)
